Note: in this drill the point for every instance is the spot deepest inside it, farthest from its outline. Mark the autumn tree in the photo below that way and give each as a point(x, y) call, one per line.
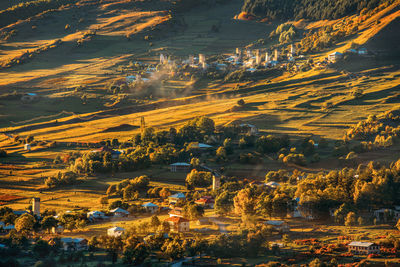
point(49, 222)
point(25, 223)
point(223, 203)
point(245, 202)
point(351, 219)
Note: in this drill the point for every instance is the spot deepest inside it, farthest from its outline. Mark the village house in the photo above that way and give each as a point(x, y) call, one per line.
point(115, 231)
point(273, 184)
point(362, 51)
point(96, 215)
point(334, 56)
point(176, 212)
point(74, 244)
point(27, 147)
point(387, 215)
point(150, 207)
point(206, 202)
point(200, 146)
point(29, 98)
point(249, 128)
point(118, 212)
point(175, 197)
point(180, 167)
point(178, 224)
point(357, 247)
point(280, 226)
point(19, 212)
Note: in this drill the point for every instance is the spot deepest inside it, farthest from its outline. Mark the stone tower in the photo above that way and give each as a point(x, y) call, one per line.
point(216, 182)
point(36, 206)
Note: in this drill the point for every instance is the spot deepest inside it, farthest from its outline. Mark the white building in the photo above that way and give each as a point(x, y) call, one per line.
point(357, 247)
point(180, 167)
point(118, 212)
point(74, 244)
point(273, 184)
point(150, 207)
point(280, 226)
point(96, 215)
point(115, 231)
point(27, 147)
point(335, 56)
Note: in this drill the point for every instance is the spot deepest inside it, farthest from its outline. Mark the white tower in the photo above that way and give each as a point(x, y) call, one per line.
point(266, 57)
point(276, 55)
point(36, 206)
point(202, 59)
point(292, 50)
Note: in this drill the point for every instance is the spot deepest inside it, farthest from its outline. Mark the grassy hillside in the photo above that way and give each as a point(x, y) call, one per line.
point(100, 43)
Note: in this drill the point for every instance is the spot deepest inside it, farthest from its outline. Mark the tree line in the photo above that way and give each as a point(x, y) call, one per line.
point(308, 9)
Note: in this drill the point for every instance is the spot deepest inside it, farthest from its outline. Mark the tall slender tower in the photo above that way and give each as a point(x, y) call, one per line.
point(266, 57)
point(202, 59)
point(292, 50)
point(36, 206)
point(216, 182)
point(276, 57)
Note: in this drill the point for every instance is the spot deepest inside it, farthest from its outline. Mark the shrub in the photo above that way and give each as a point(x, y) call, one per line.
point(3, 153)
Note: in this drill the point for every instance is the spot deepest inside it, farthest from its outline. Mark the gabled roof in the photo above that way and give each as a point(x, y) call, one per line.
point(272, 184)
point(176, 211)
point(180, 164)
point(205, 200)
point(149, 204)
point(119, 210)
point(20, 212)
point(335, 54)
point(178, 195)
point(95, 213)
point(361, 244)
point(72, 240)
point(275, 223)
point(202, 145)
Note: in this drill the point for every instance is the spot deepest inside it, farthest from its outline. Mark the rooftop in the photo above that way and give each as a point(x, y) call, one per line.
point(361, 244)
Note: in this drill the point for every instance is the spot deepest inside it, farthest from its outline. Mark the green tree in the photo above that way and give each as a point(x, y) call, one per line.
point(245, 202)
point(49, 222)
point(193, 211)
point(223, 203)
point(135, 255)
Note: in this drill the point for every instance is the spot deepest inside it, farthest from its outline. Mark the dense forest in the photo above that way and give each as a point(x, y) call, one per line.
point(308, 9)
